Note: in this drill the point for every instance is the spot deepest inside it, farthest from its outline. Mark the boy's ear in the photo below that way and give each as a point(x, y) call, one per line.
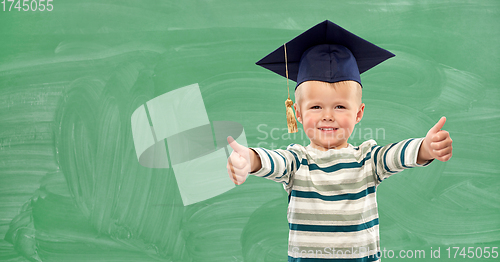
point(360, 113)
point(297, 112)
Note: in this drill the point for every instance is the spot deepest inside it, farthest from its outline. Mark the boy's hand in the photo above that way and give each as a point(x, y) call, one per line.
point(239, 163)
point(436, 144)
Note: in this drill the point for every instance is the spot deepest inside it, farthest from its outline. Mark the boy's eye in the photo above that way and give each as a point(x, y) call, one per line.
point(340, 107)
point(315, 107)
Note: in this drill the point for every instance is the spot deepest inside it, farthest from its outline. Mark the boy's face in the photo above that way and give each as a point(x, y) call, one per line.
point(329, 112)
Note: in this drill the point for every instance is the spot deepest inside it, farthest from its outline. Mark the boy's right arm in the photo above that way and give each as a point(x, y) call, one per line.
point(278, 165)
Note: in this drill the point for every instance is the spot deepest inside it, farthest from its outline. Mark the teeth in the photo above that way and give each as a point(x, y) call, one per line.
point(326, 129)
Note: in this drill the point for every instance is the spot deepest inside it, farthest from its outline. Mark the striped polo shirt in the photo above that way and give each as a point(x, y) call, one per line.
point(332, 206)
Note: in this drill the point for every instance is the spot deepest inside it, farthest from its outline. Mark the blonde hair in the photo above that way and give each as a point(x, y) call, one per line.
point(349, 83)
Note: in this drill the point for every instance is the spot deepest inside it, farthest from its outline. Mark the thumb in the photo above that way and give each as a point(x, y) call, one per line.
point(235, 146)
point(438, 125)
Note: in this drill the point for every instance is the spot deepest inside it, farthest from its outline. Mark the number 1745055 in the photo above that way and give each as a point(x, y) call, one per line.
point(27, 5)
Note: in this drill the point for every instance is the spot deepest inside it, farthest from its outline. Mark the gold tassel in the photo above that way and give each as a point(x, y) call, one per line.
point(290, 117)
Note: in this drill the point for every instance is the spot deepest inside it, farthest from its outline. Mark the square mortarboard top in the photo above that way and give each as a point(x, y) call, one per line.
point(326, 52)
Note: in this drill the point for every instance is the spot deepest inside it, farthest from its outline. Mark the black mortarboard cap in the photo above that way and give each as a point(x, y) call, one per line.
point(325, 52)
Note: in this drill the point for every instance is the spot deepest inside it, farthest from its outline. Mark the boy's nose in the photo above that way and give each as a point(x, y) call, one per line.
point(328, 116)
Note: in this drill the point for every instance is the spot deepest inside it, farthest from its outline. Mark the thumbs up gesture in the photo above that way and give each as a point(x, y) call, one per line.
point(241, 162)
point(436, 144)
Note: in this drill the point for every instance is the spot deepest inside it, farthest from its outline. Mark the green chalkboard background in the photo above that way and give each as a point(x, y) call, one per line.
point(71, 187)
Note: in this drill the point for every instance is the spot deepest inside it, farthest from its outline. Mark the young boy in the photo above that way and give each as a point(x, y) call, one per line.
point(332, 210)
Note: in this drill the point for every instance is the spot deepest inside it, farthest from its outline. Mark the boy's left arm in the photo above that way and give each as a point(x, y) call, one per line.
point(436, 144)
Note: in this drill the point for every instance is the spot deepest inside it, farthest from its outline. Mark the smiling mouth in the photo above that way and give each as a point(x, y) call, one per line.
point(328, 128)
